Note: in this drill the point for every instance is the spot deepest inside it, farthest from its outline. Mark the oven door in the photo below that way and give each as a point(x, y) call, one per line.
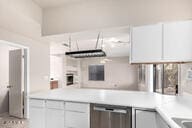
point(70, 79)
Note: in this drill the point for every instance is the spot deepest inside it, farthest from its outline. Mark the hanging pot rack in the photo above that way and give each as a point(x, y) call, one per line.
point(86, 53)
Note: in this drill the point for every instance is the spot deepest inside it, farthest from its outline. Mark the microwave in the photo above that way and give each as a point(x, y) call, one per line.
point(70, 79)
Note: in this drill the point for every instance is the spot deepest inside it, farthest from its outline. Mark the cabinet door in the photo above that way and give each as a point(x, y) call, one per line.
point(145, 119)
point(76, 120)
point(161, 123)
point(146, 43)
point(37, 117)
point(178, 41)
point(77, 115)
point(54, 118)
point(36, 113)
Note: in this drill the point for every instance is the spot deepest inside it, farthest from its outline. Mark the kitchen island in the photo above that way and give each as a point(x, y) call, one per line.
point(63, 103)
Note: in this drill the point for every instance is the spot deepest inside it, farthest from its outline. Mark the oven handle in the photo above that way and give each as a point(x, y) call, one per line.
point(105, 109)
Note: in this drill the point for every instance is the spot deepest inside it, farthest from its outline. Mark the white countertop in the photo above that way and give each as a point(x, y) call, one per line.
point(166, 106)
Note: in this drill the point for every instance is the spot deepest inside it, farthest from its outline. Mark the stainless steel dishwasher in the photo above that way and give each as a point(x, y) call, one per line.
point(109, 116)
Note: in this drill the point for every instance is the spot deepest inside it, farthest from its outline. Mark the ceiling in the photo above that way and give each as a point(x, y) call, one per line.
point(115, 41)
point(55, 3)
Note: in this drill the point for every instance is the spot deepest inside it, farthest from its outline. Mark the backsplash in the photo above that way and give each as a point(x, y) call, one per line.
point(186, 83)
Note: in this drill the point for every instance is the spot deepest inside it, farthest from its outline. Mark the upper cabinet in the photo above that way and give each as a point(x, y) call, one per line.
point(168, 42)
point(146, 43)
point(177, 41)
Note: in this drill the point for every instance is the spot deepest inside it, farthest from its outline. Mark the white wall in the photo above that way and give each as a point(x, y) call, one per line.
point(58, 63)
point(97, 14)
point(119, 74)
point(39, 59)
point(20, 22)
point(21, 16)
point(56, 69)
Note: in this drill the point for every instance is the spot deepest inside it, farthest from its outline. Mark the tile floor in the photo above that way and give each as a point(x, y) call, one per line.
point(7, 121)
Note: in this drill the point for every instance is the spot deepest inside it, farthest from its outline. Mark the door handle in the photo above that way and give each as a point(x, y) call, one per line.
point(9, 86)
point(110, 110)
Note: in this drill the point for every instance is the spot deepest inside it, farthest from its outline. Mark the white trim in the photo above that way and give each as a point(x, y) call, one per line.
point(131, 44)
point(14, 44)
point(180, 91)
point(27, 84)
point(26, 71)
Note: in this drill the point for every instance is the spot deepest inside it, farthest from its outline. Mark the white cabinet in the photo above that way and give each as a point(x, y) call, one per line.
point(77, 115)
point(58, 114)
point(54, 114)
point(148, 119)
point(37, 113)
point(178, 41)
point(145, 119)
point(146, 43)
point(76, 120)
point(166, 42)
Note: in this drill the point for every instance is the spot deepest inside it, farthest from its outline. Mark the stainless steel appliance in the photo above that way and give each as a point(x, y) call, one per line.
point(108, 116)
point(70, 79)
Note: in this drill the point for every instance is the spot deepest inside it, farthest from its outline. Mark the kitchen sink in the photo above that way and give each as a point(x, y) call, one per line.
point(183, 123)
point(187, 124)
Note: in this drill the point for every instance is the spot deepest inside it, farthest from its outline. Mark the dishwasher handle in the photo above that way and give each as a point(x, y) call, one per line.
point(106, 109)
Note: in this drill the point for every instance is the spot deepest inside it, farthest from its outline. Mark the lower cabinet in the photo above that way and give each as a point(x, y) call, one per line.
point(55, 114)
point(37, 114)
point(54, 118)
point(58, 114)
point(145, 119)
point(149, 119)
point(77, 115)
point(76, 120)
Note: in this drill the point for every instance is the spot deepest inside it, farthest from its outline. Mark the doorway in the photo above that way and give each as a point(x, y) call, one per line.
point(14, 67)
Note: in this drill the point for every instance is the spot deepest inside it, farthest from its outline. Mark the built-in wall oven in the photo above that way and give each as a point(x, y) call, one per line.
point(107, 116)
point(70, 79)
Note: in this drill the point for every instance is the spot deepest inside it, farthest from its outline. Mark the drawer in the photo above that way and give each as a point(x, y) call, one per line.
point(77, 107)
point(55, 104)
point(76, 120)
point(37, 103)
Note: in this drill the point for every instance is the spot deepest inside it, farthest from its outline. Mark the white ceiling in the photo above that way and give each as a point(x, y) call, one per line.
point(115, 41)
point(55, 3)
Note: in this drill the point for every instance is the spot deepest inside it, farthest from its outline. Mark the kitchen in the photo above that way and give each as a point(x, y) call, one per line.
point(102, 63)
point(91, 102)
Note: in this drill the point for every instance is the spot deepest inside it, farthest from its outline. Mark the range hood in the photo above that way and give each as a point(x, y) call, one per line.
point(86, 53)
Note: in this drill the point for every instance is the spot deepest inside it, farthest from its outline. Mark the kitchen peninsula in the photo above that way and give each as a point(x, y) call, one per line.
point(70, 107)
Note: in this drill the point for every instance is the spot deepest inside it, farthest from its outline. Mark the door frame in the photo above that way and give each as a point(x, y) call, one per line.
point(26, 73)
